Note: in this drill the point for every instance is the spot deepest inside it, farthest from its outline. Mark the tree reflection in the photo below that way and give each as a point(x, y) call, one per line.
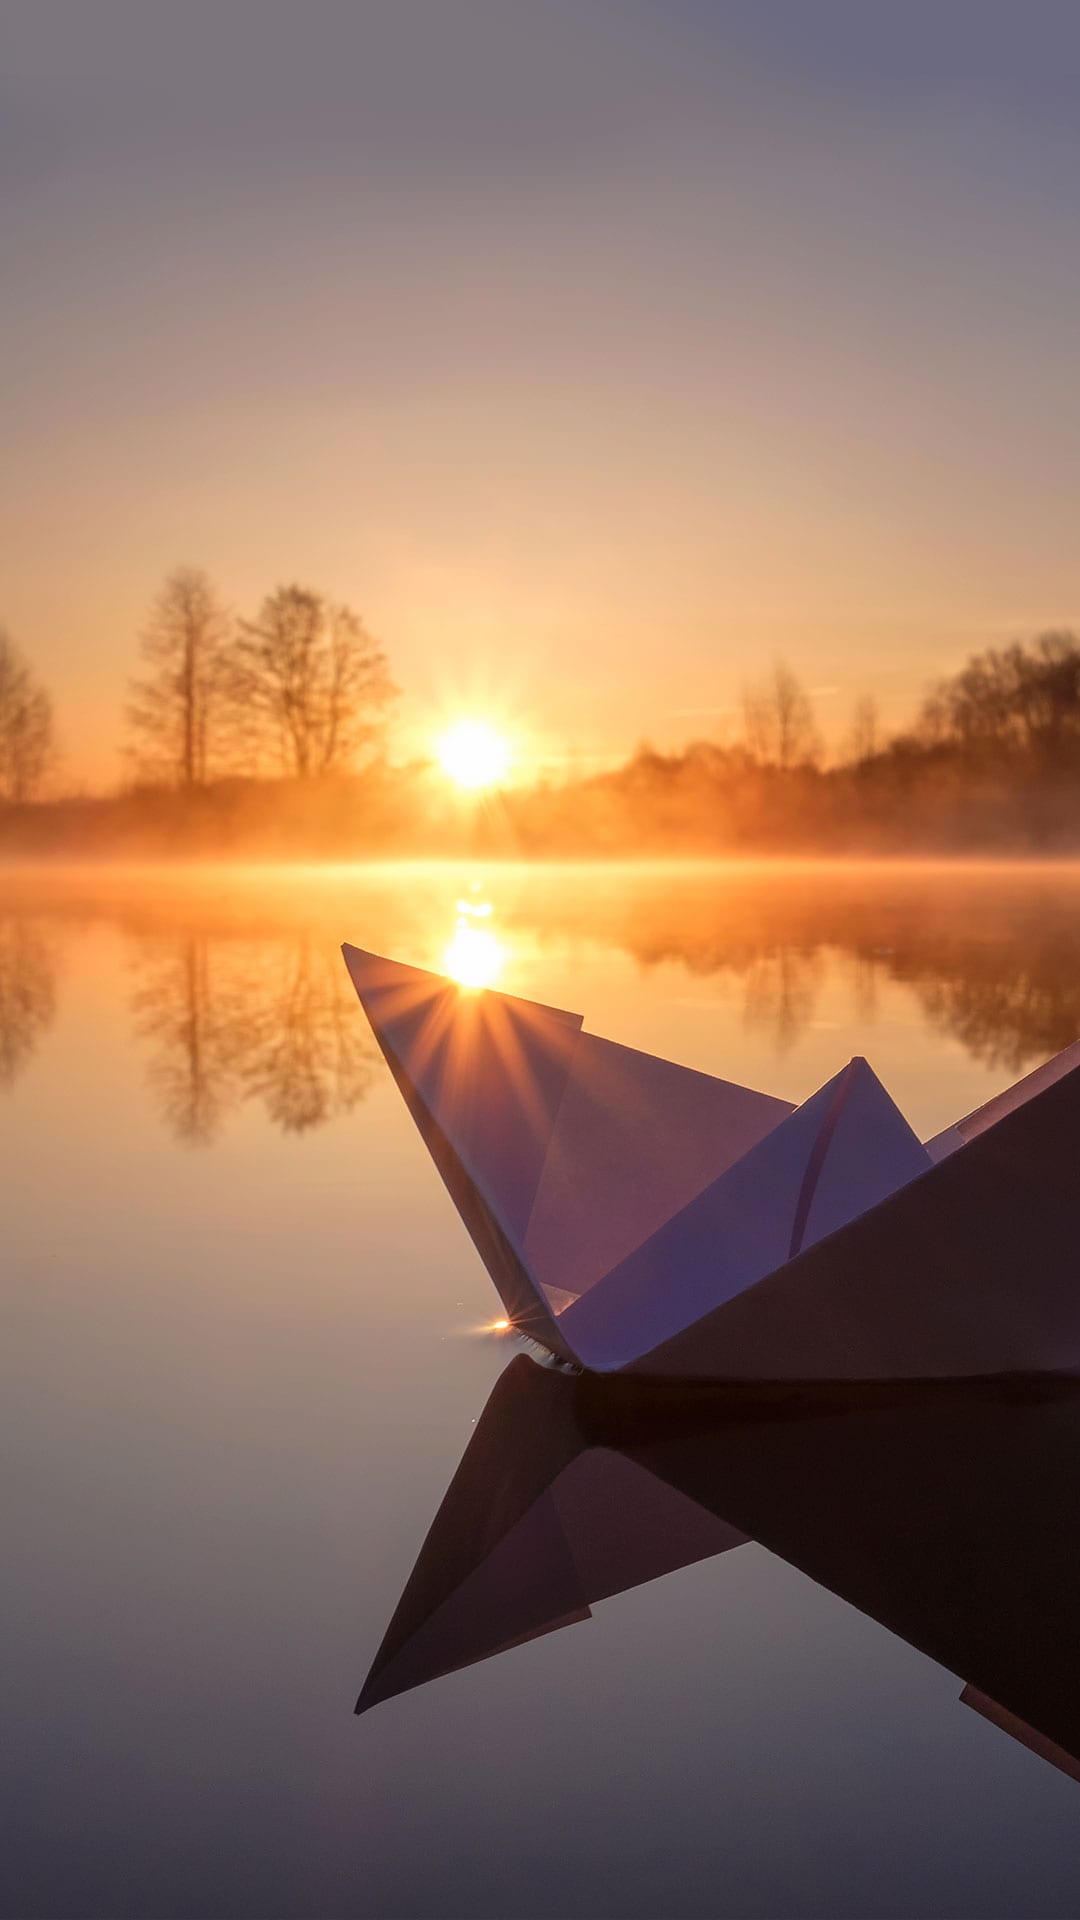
point(989, 954)
point(229, 1022)
point(780, 993)
point(308, 1055)
point(27, 993)
point(183, 1008)
point(241, 997)
point(1008, 1011)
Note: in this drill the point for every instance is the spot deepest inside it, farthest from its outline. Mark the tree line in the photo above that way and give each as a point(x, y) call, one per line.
point(221, 709)
point(990, 762)
point(301, 690)
point(1013, 706)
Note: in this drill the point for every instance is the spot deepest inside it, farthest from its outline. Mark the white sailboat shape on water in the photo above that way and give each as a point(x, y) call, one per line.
point(641, 1217)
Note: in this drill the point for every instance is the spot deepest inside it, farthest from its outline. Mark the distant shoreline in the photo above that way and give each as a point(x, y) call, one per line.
point(774, 861)
point(701, 806)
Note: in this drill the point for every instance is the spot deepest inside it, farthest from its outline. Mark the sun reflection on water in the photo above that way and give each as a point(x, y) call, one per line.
point(475, 956)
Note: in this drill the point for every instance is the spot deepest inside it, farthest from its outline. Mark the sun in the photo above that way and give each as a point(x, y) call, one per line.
point(474, 754)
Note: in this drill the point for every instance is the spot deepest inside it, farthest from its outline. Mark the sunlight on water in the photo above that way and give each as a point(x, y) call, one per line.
point(475, 957)
point(226, 991)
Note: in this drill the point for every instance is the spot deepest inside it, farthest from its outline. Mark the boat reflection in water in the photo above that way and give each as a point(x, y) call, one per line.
point(945, 1511)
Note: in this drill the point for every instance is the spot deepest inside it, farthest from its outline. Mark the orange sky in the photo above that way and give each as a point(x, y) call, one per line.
point(598, 353)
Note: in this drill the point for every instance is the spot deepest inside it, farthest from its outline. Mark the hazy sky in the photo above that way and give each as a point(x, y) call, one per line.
point(596, 350)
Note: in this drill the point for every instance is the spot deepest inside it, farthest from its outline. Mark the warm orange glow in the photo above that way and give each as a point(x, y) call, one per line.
point(499, 1326)
point(474, 754)
point(474, 958)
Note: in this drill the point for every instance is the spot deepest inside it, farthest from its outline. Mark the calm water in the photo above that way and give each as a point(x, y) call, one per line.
point(243, 1356)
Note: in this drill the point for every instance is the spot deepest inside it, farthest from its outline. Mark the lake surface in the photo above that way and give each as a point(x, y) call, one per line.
point(244, 1351)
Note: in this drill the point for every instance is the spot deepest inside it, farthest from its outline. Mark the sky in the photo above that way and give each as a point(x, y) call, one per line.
point(599, 352)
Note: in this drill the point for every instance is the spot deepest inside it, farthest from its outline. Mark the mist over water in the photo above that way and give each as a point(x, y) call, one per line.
point(242, 1359)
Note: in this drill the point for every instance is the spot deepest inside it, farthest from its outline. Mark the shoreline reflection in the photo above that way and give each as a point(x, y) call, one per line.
point(230, 1022)
point(28, 997)
point(241, 995)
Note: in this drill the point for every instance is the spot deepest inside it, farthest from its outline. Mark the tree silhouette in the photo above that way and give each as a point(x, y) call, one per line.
point(865, 737)
point(1020, 700)
point(26, 725)
point(311, 682)
point(178, 710)
point(779, 722)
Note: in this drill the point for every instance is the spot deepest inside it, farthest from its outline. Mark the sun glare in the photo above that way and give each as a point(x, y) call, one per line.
point(474, 957)
point(474, 754)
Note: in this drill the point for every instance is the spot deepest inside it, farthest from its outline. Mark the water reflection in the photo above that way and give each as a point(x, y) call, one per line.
point(27, 993)
point(573, 1490)
point(1005, 1010)
point(228, 1022)
point(990, 952)
point(241, 995)
point(781, 993)
point(475, 956)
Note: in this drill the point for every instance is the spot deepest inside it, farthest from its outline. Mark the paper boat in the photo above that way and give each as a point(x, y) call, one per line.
point(638, 1216)
point(944, 1511)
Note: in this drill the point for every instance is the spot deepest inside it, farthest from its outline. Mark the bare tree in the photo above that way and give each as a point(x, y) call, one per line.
point(310, 680)
point(177, 711)
point(865, 737)
point(779, 721)
point(26, 725)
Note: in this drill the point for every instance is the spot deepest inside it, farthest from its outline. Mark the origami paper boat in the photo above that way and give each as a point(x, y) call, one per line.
point(638, 1216)
point(571, 1491)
